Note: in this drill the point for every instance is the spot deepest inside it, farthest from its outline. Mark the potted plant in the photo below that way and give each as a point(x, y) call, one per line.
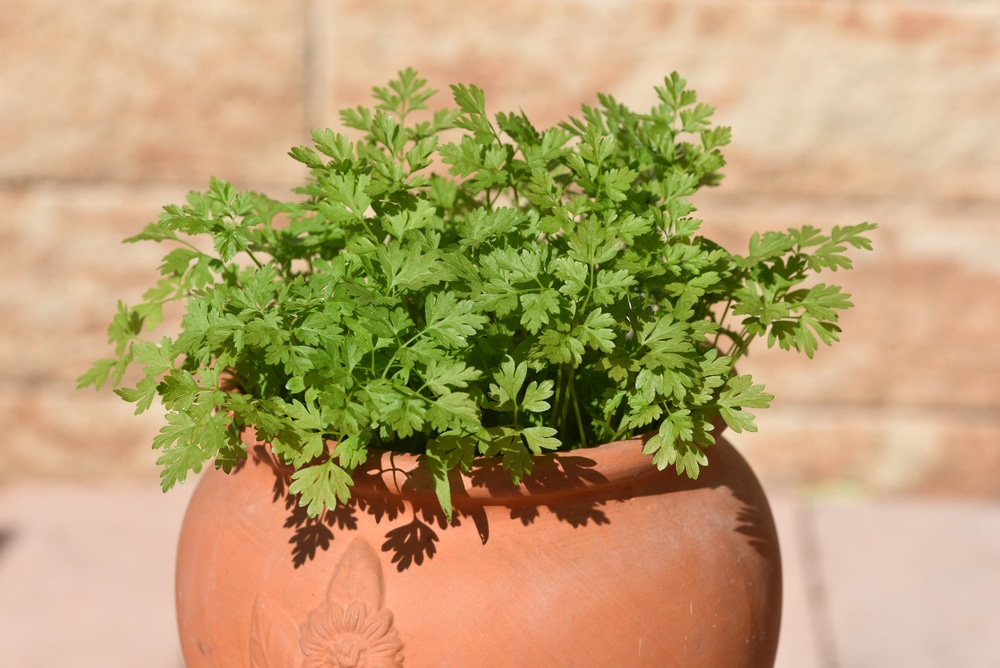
point(412, 367)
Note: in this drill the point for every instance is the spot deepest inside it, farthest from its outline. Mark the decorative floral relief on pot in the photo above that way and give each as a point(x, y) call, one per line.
point(351, 629)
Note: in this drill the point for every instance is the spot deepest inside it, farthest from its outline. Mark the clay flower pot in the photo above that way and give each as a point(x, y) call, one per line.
point(598, 559)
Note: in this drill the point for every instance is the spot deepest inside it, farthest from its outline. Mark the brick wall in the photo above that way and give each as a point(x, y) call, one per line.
point(842, 111)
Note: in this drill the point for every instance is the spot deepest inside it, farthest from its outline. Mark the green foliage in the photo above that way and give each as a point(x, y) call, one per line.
point(511, 292)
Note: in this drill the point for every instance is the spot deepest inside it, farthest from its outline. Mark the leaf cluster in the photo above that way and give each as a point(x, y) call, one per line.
point(510, 292)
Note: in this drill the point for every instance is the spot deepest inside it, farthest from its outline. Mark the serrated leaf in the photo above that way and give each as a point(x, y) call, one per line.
point(739, 393)
point(470, 98)
point(451, 321)
point(179, 390)
point(696, 118)
point(559, 347)
point(481, 224)
point(537, 307)
point(442, 377)
point(508, 382)
point(97, 375)
point(332, 144)
point(409, 267)
point(516, 459)
point(306, 156)
point(321, 486)
point(770, 245)
point(304, 439)
point(177, 261)
point(535, 396)
point(187, 444)
point(612, 286)
point(673, 445)
point(597, 331)
point(141, 395)
point(716, 137)
point(438, 469)
point(540, 438)
point(573, 273)
point(453, 411)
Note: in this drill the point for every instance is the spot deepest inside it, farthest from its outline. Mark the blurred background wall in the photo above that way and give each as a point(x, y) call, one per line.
point(842, 111)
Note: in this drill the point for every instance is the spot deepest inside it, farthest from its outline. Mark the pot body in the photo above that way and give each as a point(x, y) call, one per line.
point(598, 559)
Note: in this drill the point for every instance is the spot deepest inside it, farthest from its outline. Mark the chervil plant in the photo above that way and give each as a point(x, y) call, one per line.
point(507, 293)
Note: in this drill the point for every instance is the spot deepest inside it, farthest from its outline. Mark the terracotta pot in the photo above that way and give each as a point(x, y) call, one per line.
point(598, 559)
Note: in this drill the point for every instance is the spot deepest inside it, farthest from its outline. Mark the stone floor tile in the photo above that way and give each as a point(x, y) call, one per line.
point(911, 583)
point(798, 646)
point(86, 576)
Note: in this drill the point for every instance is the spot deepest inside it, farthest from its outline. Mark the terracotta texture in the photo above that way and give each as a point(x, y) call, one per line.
point(597, 560)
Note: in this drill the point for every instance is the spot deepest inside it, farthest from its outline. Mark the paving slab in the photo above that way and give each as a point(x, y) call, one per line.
point(798, 645)
point(910, 583)
point(86, 575)
point(86, 579)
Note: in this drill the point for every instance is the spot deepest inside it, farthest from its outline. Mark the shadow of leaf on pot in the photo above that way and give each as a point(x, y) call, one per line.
point(568, 485)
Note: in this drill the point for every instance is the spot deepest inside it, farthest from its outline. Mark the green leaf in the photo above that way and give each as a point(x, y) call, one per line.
point(508, 382)
point(739, 393)
point(559, 348)
point(674, 93)
point(535, 396)
point(141, 395)
point(306, 156)
point(716, 137)
point(443, 376)
point(321, 486)
point(673, 446)
point(97, 375)
point(515, 456)
point(401, 410)
point(481, 225)
point(303, 439)
point(455, 449)
point(442, 485)
point(451, 321)
point(470, 98)
point(125, 326)
point(597, 331)
point(540, 438)
point(772, 244)
point(333, 144)
point(696, 119)
point(453, 411)
point(187, 444)
point(612, 286)
point(409, 267)
point(537, 306)
point(352, 451)
point(179, 390)
point(574, 275)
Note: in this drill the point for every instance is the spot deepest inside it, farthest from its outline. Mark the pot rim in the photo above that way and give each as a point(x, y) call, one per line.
point(599, 469)
point(559, 475)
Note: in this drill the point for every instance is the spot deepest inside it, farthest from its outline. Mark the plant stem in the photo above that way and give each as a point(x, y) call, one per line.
point(557, 406)
point(254, 258)
point(565, 387)
point(739, 346)
point(576, 408)
point(722, 320)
